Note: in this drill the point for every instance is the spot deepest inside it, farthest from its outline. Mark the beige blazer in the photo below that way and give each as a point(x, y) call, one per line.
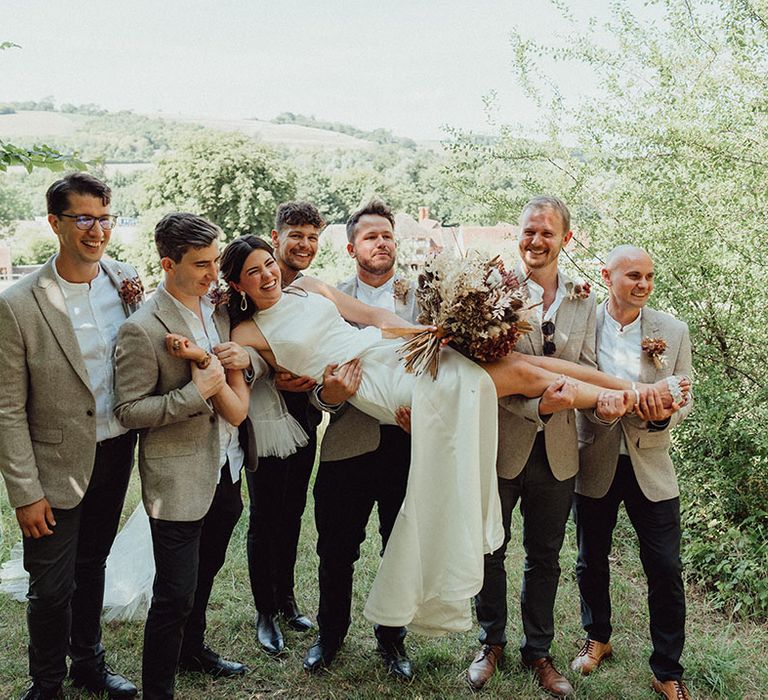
point(648, 447)
point(351, 432)
point(47, 408)
point(519, 417)
point(154, 393)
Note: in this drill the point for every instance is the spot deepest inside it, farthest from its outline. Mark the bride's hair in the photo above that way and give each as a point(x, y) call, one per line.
point(232, 260)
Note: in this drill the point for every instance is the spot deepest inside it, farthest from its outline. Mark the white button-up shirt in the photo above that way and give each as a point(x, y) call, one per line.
point(382, 297)
point(96, 312)
point(620, 353)
point(206, 336)
point(536, 296)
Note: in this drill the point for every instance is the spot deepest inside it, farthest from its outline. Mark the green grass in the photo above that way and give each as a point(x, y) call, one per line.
point(724, 659)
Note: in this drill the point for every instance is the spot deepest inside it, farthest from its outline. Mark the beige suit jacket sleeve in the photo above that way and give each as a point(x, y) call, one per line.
point(17, 457)
point(136, 377)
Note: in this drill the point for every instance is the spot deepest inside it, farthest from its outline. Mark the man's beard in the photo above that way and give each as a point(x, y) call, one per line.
point(379, 268)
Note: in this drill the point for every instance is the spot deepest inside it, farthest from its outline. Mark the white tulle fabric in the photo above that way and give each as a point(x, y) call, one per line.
point(451, 516)
point(129, 575)
point(277, 432)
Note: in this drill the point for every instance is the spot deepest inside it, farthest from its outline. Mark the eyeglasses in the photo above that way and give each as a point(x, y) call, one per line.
point(86, 223)
point(548, 331)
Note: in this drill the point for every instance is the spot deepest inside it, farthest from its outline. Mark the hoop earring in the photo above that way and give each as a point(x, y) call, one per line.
point(243, 301)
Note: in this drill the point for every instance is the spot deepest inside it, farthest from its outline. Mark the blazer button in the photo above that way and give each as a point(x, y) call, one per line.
point(89, 412)
point(212, 419)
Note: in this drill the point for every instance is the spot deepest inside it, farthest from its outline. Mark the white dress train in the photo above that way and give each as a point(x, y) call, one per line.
point(129, 574)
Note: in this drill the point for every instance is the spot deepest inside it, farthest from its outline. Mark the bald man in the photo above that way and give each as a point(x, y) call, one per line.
point(626, 459)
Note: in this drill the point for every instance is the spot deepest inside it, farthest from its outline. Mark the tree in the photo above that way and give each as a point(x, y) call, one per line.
point(672, 155)
point(230, 179)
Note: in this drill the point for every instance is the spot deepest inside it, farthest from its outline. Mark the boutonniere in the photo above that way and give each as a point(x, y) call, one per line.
point(578, 289)
point(400, 289)
point(655, 349)
point(219, 295)
point(131, 291)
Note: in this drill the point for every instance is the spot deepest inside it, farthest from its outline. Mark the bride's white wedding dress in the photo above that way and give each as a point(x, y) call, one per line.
point(129, 575)
point(433, 562)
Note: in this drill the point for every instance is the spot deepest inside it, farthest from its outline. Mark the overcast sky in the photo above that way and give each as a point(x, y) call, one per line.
point(407, 65)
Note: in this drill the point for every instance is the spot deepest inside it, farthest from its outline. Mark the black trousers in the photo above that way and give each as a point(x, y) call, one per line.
point(66, 570)
point(188, 555)
point(657, 525)
point(545, 504)
point(278, 494)
point(345, 494)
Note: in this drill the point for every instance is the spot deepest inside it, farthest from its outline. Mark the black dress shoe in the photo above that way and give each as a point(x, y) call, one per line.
point(395, 659)
point(35, 692)
point(268, 633)
point(102, 680)
point(209, 662)
point(320, 655)
point(295, 619)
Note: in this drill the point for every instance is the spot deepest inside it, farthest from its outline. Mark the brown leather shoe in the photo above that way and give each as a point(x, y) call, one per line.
point(590, 656)
point(550, 679)
point(672, 690)
point(482, 668)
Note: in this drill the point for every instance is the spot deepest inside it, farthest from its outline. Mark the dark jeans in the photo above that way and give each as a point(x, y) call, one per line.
point(278, 494)
point(657, 525)
point(66, 570)
point(545, 504)
point(345, 493)
point(188, 555)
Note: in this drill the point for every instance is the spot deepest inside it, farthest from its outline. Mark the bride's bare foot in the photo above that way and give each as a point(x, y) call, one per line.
point(182, 347)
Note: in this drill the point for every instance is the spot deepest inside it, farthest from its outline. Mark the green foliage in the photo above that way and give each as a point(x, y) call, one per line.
point(38, 156)
point(13, 204)
point(672, 156)
point(33, 247)
point(228, 178)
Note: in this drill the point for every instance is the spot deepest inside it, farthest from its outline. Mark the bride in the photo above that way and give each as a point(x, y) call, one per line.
point(433, 562)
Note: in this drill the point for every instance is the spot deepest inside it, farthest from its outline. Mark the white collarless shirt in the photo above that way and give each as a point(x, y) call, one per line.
point(620, 352)
point(96, 313)
point(382, 297)
point(206, 336)
point(536, 296)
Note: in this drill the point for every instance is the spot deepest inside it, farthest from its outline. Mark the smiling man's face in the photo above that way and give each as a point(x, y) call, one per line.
point(374, 248)
point(81, 248)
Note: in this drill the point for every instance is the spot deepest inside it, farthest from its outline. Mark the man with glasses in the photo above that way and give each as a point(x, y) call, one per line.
point(65, 459)
point(538, 453)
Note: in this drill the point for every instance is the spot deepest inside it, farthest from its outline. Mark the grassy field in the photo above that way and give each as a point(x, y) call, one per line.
point(723, 659)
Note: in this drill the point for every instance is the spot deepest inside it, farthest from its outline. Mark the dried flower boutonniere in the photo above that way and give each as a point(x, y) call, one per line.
point(131, 291)
point(218, 295)
point(578, 289)
point(655, 349)
point(400, 289)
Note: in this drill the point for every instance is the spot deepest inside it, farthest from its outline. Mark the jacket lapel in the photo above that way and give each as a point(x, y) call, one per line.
point(117, 277)
point(650, 328)
point(531, 343)
point(563, 322)
point(599, 323)
point(169, 315)
point(54, 309)
point(221, 321)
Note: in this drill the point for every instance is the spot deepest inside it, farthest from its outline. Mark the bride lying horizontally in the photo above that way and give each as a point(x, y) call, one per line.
point(433, 562)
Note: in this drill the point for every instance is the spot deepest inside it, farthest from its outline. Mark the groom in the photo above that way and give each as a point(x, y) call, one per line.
point(362, 463)
point(66, 461)
point(189, 457)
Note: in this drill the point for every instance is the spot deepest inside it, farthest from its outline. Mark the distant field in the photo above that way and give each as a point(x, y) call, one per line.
point(41, 125)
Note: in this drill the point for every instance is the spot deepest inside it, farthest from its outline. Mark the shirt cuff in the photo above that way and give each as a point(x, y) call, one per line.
point(329, 407)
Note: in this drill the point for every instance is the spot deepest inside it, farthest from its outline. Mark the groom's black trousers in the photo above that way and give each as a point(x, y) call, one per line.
point(657, 525)
point(66, 570)
point(345, 493)
point(188, 555)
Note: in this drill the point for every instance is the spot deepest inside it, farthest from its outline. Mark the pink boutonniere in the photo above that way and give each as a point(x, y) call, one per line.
point(655, 349)
point(400, 289)
point(131, 291)
point(219, 295)
point(579, 289)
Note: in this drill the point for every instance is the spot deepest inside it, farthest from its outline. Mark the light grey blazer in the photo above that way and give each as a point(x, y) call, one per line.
point(352, 433)
point(47, 408)
point(178, 431)
point(519, 416)
point(648, 447)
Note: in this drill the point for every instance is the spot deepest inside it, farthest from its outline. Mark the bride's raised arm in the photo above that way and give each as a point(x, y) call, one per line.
point(351, 309)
